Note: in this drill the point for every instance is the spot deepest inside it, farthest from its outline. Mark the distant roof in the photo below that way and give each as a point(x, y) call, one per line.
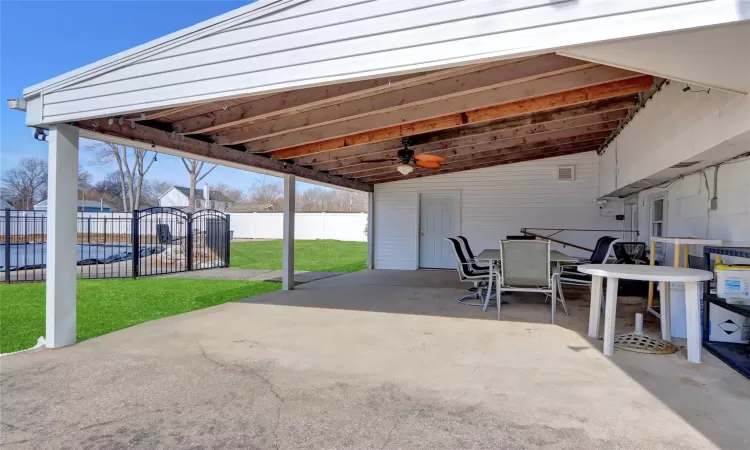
point(248, 208)
point(81, 204)
point(4, 204)
point(215, 195)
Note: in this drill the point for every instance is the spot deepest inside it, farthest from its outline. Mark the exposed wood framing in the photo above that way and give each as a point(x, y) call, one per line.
point(541, 103)
point(499, 161)
point(154, 137)
point(407, 100)
point(294, 102)
point(562, 144)
point(469, 102)
point(358, 155)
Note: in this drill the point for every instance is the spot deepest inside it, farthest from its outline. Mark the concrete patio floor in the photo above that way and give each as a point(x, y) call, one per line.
point(369, 360)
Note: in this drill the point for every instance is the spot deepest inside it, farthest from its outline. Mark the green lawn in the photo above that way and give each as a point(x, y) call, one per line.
point(109, 305)
point(314, 256)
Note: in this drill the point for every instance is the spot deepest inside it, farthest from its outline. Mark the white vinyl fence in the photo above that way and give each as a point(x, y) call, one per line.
point(338, 226)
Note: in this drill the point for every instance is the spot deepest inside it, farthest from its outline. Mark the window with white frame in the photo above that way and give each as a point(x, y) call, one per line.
point(658, 220)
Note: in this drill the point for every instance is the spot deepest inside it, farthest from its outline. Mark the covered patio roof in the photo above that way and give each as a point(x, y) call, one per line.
point(475, 116)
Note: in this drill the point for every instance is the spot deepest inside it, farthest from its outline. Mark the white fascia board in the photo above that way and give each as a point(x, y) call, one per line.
point(483, 48)
point(210, 26)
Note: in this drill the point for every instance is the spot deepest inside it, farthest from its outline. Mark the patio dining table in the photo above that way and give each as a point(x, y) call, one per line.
point(492, 256)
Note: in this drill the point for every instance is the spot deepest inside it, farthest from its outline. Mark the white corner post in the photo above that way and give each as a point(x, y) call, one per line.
point(61, 236)
point(370, 230)
point(287, 264)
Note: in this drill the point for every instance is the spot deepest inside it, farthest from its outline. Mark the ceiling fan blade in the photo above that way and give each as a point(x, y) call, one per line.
point(428, 164)
point(426, 157)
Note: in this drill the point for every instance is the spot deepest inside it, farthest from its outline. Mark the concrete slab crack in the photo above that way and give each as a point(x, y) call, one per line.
point(390, 434)
point(263, 379)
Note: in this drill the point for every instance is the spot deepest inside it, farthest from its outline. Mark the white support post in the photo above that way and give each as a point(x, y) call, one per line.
point(61, 236)
point(370, 230)
point(287, 265)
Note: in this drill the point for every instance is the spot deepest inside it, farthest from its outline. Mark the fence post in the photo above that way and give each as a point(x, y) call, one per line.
point(7, 245)
point(228, 242)
point(189, 241)
point(136, 245)
point(88, 229)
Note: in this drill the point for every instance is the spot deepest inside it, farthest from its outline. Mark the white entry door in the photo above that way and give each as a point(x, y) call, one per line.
point(438, 219)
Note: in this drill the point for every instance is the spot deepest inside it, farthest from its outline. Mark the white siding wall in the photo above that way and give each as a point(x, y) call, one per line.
point(673, 127)
point(174, 199)
point(496, 202)
point(688, 213)
point(314, 44)
point(338, 226)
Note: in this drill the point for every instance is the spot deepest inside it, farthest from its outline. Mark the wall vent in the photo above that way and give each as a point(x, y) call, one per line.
point(566, 173)
point(682, 165)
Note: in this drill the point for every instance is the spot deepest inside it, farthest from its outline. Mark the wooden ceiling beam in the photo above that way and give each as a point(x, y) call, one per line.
point(344, 130)
point(608, 110)
point(497, 162)
point(409, 99)
point(583, 125)
point(152, 137)
point(577, 134)
point(544, 102)
point(294, 102)
point(562, 144)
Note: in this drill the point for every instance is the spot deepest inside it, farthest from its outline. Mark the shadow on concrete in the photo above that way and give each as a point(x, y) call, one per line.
point(711, 397)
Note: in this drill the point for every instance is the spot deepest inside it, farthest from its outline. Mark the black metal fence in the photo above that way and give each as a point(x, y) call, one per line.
point(148, 242)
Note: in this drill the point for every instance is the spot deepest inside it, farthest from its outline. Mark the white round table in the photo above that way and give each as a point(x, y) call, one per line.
point(614, 272)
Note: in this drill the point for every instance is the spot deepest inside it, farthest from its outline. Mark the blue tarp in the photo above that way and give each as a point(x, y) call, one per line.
point(33, 256)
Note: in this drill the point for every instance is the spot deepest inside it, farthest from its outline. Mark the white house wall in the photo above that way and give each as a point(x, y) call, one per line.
point(496, 202)
point(673, 127)
point(174, 198)
point(317, 43)
point(688, 211)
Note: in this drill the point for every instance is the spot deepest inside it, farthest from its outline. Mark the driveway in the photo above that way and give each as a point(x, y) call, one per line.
point(370, 360)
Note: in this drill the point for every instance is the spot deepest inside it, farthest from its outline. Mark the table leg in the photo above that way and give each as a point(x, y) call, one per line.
point(595, 310)
point(610, 310)
point(665, 306)
point(692, 309)
point(489, 286)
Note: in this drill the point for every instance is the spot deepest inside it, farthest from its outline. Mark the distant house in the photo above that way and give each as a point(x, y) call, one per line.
point(250, 208)
point(179, 197)
point(83, 206)
point(5, 205)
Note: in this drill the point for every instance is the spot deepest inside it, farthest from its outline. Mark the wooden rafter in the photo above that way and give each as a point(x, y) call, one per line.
point(607, 110)
point(497, 149)
point(564, 144)
point(151, 137)
point(545, 102)
point(385, 178)
point(409, 99)
point(295, 102)
point(442, 108)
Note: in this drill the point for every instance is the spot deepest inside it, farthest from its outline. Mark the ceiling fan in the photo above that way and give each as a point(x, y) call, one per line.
point(406, 157)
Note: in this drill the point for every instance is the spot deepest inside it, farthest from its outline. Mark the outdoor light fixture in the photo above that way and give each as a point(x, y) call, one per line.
point(689, 89)
point(19, 104)
point(405, 169)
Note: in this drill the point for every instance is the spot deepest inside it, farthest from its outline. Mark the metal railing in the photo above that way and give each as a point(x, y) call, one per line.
point(118, 245)
point(556, 231)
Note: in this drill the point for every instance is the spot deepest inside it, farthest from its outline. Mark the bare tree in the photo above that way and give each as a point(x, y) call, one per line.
point(263, 193)
point(235, 195)
point(194, 168)
point(318, 199)
point(131, 169)
point(26, 184)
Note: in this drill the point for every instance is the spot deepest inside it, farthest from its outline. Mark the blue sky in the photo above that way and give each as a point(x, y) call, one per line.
point(40, 40)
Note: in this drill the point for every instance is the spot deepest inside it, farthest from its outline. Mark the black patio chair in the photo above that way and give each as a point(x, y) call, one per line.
point(466, 272)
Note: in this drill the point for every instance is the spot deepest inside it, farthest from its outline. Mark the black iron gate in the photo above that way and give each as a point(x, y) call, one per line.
point(170, 240)
point(210, 237)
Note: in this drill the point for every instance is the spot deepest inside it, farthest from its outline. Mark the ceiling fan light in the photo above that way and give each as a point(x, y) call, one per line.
point(405, 169)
